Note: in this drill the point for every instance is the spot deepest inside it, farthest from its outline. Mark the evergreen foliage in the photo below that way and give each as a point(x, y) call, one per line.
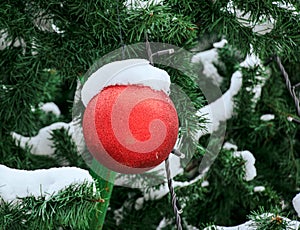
point(40, 62)
point(70, 209)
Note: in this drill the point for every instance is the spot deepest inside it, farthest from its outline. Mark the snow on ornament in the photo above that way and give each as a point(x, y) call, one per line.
point(130, 124)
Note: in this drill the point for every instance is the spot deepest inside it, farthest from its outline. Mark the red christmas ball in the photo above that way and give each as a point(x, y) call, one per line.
point(130, 129)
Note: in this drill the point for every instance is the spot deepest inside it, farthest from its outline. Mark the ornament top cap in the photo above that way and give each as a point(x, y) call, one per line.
point(125, 72)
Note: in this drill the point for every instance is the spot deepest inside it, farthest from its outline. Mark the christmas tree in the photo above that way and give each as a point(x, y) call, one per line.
point(234, 68)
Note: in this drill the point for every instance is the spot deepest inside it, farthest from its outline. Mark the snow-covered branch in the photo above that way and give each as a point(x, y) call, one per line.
point(41, 144)
point(251, 225)
point(15, 183)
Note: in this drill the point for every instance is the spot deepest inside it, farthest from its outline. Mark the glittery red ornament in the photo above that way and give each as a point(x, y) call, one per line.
point(130, 129)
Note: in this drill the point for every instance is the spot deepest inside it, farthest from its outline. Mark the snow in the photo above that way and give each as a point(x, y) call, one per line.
point(166, 222)
point(259, 188)
point(227, 145)
point(253, 60)
point(139, 203)
point(262, 26)
point(221, 109)
point(250, 169)
point(158, 193)
point(163, 223)
point(251, 225)
point(287, 6)
point(41, 144)
point(56, 29)
point(118, 215)
point(16, 183)
point(133, 4)
point(249, 159)
point(220, 44)
point(50, 107)
point(125, 72)
point(175, 166)
point(267, 117)
point(296, 203)
point(208, 58)
point(204, 184)
point(5, 42)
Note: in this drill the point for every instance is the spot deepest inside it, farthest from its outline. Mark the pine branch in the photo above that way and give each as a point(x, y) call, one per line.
point(70, 208)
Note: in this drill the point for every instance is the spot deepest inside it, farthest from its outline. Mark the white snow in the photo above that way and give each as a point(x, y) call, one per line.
point(220, 44)
point(208, 58)
point(251, 225)
point(135, 4)
point(139, 203)
point(296, 203)
point(56, 29)
point(205, 184)
point(250, 169)
point(163, 223)
point(267, 117)
point(50, 107)
point(16, 183)
point(41, 143)
point(259, 188)
point(175, 168)
point(125, 72)
point(221, 109)
point(262, 26)
point(227, 145)
point(190, 227)
point(118, 215)
point(287, 6)
point(253, 60)
point(5, 42)
point(158, 193)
